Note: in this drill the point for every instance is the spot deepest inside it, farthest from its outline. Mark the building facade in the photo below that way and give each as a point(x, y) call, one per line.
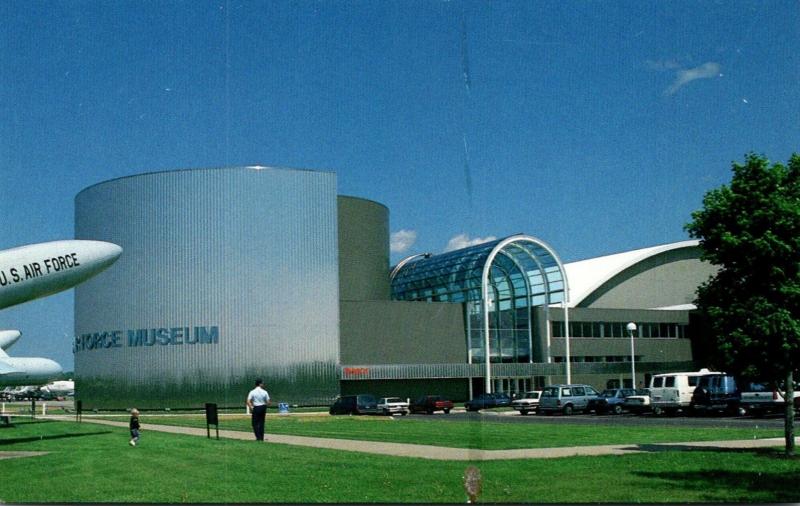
point(226, 275)
point(237, 273)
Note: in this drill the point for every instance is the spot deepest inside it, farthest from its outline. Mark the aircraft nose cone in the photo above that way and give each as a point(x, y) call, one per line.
point(108, 251)
point(101, 253)
point(52, 367)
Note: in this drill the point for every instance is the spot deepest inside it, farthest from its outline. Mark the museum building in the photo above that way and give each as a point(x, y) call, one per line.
point(235, 273)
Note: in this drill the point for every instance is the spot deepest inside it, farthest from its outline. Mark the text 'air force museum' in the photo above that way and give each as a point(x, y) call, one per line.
point(237, 273)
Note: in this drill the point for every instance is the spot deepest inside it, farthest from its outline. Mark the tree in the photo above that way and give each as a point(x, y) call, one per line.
point(750, 229)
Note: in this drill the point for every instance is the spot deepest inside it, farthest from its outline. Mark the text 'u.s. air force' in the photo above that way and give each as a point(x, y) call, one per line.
point(26, 271)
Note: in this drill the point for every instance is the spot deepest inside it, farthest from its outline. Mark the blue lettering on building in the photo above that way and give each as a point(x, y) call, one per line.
point(162, 336)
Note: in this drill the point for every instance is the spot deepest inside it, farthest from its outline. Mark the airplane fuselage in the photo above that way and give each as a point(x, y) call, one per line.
point(29, 371)
point(38, 270)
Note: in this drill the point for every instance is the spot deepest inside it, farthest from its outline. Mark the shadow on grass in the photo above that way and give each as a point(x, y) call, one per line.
point(24, 422)
point(30, 439)
point(780, 487)
point(656, 448)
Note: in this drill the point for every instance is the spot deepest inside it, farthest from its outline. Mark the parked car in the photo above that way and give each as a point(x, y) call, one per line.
point(759, 398)
point(430, 403)
point(392, 406)
point(637, 403)
point(362, 404)
point(565, 398)
point(673, 391)
point(527, 402)
point(716, 393)
point(484, 401)
point(610, 401)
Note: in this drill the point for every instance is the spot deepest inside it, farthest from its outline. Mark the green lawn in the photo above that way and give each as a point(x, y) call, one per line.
point(476, 434)
point(93, 463)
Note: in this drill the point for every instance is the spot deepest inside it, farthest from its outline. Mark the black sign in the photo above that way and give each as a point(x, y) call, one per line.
point(211, 418)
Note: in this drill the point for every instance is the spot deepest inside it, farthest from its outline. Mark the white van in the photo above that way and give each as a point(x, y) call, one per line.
point(673, 391)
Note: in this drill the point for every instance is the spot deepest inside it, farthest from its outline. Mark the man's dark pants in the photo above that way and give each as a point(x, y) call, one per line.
point(259, 412)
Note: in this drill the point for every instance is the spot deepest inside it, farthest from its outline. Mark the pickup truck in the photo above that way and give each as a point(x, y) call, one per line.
point(392, 406)
point(430, 403)
point(759, 398)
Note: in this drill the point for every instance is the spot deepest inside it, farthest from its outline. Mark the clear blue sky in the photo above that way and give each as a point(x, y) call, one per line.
point(594, 126)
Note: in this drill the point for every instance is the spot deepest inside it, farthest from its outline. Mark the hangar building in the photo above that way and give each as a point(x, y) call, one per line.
point(236, 273)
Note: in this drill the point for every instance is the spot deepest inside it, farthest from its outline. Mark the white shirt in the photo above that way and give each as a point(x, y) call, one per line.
point(258, 396)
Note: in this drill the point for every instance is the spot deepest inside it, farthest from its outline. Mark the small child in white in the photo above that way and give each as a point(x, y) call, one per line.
point(134, 425)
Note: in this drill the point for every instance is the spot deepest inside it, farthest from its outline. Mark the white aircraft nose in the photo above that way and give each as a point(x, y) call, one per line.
point(104, 252)
point(53, 367)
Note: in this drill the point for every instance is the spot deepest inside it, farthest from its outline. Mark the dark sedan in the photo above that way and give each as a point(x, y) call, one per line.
point(485, 401)
point(610, 401)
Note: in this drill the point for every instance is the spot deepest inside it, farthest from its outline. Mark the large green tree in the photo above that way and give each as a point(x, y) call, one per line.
point(750, 229)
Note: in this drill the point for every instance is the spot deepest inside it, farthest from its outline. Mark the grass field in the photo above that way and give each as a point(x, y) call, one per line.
point(93, 463)
point(477, 434)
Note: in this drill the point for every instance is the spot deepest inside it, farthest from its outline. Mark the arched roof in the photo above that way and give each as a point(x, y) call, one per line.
point(588, 275)
point(457, 275)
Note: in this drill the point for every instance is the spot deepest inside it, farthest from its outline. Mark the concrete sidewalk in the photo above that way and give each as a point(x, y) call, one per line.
point(446, 453)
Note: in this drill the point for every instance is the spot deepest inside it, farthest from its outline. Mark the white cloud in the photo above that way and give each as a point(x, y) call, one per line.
point(401, 241)
point(683, 77)
point(463, 241)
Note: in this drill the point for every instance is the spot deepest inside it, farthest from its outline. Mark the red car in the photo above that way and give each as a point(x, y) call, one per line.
point(430, 403)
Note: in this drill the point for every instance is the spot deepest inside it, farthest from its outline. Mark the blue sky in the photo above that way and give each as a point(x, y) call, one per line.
point(594, 126)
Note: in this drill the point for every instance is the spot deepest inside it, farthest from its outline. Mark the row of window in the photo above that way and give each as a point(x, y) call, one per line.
point(601, 358)
point(619, 329)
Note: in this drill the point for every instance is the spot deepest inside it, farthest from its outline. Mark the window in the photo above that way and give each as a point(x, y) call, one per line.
point(658, 382)
point(693, 380)
point(579, 391)
point(566, 392)
point(670, 382)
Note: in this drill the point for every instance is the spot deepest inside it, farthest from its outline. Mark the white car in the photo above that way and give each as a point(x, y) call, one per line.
point(392, 406)
point(637, 403)
point(527, 402)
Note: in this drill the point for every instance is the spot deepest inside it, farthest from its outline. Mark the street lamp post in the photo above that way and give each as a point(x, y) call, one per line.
point(631, 329)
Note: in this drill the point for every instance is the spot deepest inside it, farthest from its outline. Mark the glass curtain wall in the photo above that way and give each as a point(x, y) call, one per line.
point(523, 273)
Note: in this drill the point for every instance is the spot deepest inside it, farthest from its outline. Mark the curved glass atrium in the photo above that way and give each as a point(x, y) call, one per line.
point(521, 271)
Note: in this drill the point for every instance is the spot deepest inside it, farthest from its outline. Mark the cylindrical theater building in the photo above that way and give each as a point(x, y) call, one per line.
point(226, 275)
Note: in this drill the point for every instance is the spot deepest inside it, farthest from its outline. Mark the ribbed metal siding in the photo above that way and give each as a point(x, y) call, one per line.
point(252, 251)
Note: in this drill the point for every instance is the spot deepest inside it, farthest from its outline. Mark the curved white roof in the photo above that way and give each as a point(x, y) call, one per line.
point(586, 276)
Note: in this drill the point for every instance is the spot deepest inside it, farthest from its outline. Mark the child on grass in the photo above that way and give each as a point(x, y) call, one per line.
point(134, 425)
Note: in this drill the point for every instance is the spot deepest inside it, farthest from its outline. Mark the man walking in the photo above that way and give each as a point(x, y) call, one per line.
point(257, 401)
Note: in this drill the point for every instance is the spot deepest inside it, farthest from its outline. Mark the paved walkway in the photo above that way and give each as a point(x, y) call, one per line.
point(17, 455)
point(446, 453)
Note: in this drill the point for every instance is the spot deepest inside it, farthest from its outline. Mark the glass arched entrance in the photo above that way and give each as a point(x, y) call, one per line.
point(499, 281)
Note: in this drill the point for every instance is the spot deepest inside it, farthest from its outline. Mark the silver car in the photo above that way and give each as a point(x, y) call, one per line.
point(565, 398)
